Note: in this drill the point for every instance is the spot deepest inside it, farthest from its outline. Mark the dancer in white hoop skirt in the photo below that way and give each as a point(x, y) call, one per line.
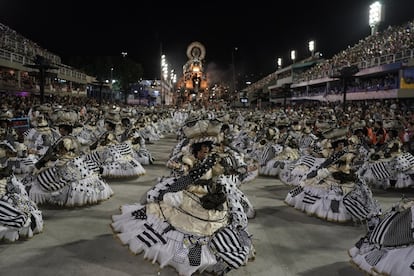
point(19, 216)
point(193, 222)
point(68, 181)
point(388, 246)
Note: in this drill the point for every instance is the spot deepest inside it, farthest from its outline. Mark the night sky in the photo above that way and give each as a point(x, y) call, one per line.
point(262, 31)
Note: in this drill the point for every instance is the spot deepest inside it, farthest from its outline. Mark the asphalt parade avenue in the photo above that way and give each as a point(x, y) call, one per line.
point(288, 242)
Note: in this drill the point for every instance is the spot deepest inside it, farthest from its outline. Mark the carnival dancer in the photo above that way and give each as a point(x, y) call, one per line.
point(7, 132)
point(326, 191)
point(18, 158)
point(63, 177)
point(148, 128)
point(20, 217)
point(390, 166)
point(115, 159)
point(388, 246)
point(194, 222)
point(36, 142)
point(277, 150)
point(242, 165)
point(89, 131)
point(292, 173)
point(130, 135)
point(17, 155)
point(41, 135)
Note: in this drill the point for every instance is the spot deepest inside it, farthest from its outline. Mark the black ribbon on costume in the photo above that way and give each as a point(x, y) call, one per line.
point(193, 175)
point(331, 160)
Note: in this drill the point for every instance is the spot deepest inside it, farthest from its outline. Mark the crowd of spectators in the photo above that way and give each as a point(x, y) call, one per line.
point(392, 113)
point(395, 43)
point(390, 45)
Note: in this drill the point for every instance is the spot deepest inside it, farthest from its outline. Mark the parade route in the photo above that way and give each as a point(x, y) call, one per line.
point(80, 241)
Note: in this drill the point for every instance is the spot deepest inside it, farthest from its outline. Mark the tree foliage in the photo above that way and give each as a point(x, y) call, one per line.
point(125, 70)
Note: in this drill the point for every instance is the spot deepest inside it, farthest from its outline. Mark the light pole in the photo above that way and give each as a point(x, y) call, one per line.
point(125, 79)
point(293, 56)
point(279, 63)
point(173, 80)
point(375, 16)
point(233, 63)
point(164, 76)
point(112, 82)
point(312, 47)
